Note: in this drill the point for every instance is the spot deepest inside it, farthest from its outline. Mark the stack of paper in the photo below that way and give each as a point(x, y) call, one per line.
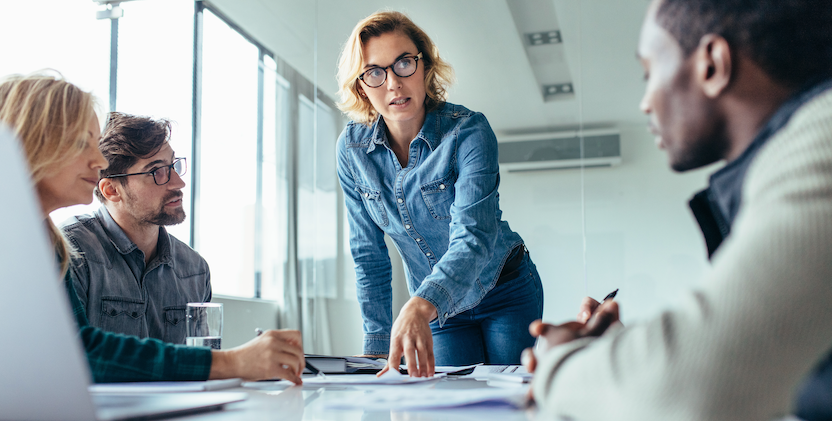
point(329, 364)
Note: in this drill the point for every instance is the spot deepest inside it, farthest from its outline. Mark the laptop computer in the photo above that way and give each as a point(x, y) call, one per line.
point(43, 369)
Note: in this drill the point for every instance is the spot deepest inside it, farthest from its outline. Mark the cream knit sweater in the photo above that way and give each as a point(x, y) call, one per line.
point(738, 346)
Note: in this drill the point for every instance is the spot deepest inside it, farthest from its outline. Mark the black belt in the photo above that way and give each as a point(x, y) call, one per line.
point(515, 259)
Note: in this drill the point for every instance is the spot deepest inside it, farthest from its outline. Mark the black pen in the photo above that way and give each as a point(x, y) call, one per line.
point(309, 367)
point(609, 296)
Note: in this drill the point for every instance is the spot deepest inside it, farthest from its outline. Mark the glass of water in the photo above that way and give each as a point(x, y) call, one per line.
point(204, 325)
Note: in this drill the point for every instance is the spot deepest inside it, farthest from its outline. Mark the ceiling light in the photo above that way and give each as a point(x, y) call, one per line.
point(546, 37)
point(558, 89)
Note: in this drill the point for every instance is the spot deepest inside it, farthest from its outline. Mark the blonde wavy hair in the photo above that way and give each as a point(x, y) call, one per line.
point(50, 116)
point(438, 73)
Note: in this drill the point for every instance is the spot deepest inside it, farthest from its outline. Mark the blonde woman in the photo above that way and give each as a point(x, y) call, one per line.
point(425, 172)
point(58, 127)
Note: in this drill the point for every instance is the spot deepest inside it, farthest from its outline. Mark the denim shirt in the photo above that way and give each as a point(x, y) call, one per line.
point(121, 294)
point(441, 211)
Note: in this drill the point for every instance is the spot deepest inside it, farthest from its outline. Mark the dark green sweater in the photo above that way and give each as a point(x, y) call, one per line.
point(115, 357)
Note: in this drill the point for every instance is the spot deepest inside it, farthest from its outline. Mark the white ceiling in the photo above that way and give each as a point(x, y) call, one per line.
point(479, 39)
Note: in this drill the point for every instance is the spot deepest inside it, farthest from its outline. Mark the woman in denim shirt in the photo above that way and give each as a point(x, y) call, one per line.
point(424, 172)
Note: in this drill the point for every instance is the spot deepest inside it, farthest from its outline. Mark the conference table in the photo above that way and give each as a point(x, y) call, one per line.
point(278, 401)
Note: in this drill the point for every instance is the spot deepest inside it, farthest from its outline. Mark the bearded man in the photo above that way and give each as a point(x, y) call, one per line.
point(130, 274)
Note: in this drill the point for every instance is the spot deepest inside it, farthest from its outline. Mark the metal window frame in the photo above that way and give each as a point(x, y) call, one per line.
point(199, 8)
point(297, 85)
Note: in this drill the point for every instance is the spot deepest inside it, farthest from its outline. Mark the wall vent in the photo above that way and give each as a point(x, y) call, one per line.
point(559, 150)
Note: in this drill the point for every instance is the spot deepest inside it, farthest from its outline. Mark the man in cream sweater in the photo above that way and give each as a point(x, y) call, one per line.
point(749, 83)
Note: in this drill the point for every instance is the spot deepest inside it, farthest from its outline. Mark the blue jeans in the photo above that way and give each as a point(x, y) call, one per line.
point(497, 330)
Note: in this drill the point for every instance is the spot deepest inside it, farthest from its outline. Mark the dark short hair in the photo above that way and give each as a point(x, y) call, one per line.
point(129, 138)
point(791, 40)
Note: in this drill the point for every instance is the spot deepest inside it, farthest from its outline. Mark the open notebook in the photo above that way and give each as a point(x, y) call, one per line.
point(44, 370)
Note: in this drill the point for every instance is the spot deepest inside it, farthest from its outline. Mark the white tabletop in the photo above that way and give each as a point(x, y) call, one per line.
point(279, 402)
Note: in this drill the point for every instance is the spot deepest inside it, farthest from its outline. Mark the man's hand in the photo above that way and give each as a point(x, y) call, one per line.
point(411, 336)
point(603, 316)
point(274, 354)
point(587, 309)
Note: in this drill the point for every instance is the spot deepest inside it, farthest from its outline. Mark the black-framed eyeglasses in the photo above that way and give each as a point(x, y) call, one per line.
point(161, 175)
point(403, 67)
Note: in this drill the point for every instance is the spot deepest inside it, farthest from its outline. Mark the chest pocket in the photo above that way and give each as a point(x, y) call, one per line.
point(439, 196)
point(373, 204)
point(175, 324)
point(122, 315)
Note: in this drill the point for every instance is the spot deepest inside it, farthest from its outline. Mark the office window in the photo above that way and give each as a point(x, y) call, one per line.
point(155, 74)
point(228, 157)
point(63, 35)
point(266, 198)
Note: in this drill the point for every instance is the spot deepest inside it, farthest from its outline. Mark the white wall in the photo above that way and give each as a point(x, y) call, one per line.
point(640, 234)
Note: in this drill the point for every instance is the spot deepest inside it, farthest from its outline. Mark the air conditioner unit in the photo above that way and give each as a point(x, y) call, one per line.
point(560, 150)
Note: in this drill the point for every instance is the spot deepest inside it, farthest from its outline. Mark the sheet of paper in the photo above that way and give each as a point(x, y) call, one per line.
point(164, 387)
point(416, 399)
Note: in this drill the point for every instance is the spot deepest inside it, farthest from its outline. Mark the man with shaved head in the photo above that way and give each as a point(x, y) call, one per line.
point(747, 82)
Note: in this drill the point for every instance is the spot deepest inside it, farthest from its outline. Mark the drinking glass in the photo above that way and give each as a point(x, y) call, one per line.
point(204, 325)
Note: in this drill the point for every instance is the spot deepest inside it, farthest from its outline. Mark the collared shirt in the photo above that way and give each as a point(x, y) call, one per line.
point(441, 211)
point(716, 207)
point(119, 358)
point(120, 293)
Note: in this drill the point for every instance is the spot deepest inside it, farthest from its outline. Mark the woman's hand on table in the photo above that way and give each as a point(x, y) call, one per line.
point(412, 338)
